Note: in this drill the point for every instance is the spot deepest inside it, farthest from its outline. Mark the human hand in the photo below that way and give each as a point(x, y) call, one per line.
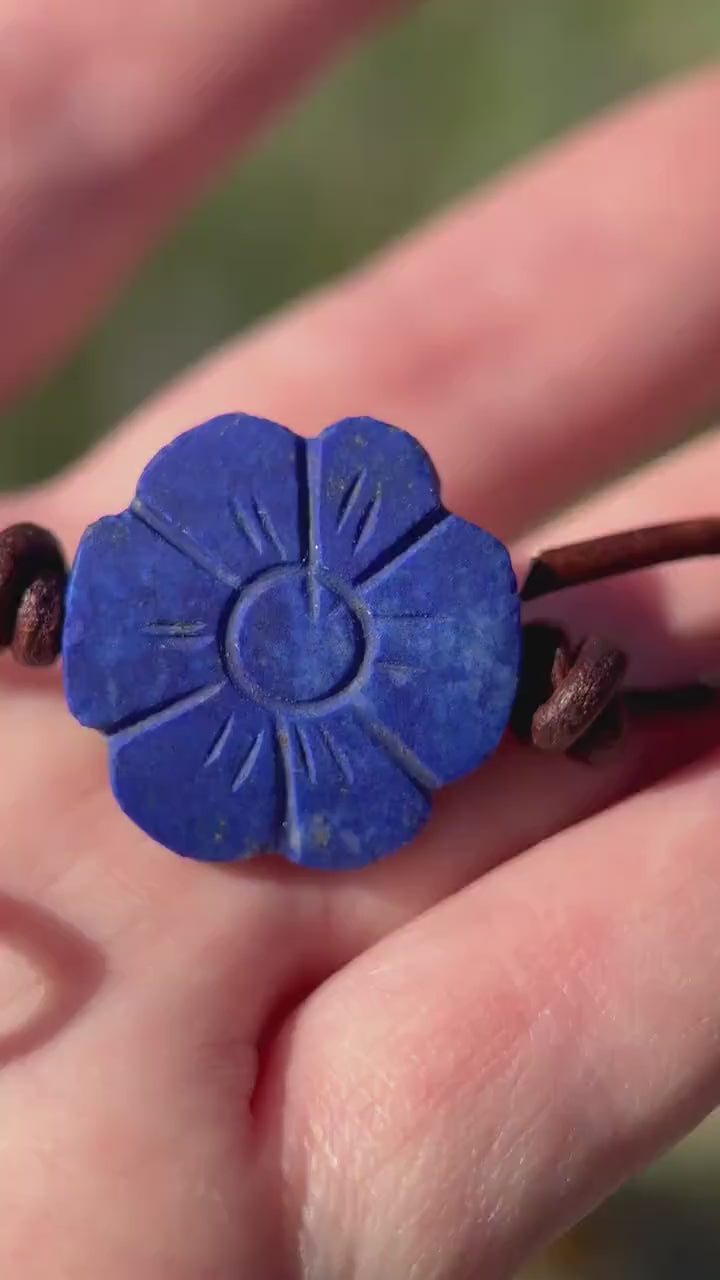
point(429, 1067)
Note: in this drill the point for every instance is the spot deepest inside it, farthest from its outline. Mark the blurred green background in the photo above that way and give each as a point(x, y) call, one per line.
point(424, 113)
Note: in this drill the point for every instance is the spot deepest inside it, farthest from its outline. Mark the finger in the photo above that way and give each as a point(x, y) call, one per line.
point(114, 116)
point(534, 340)
point(486, 1075)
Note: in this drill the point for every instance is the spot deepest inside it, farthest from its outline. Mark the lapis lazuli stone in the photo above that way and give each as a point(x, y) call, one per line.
point(290, 643)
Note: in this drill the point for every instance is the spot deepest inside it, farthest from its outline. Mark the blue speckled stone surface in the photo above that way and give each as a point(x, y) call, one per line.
point(290, 644)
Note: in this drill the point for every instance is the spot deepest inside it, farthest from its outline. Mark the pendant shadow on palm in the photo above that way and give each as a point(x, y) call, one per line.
point(48, 974)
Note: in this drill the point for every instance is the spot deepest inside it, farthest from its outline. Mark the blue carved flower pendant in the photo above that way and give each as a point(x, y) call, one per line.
point(289, 643)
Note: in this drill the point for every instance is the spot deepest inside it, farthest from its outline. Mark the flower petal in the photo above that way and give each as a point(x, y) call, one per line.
point(349, 797)
point(201, 776)
point(447, 622)
point(230, 493)
point(141, 625)
point(371, 485)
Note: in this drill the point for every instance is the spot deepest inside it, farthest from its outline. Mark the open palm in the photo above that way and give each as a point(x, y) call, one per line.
point(429, 1067)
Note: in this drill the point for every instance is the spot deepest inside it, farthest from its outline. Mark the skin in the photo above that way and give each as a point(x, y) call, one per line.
point(431, 1067)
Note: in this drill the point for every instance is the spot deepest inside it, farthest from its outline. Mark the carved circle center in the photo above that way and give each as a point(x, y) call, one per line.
point(296, 639)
